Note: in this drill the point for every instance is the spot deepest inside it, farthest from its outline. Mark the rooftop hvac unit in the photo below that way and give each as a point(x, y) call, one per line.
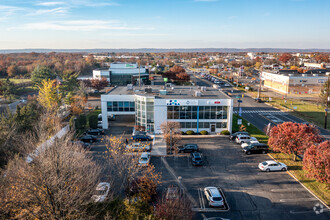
point(162, 92)
point(129, 86)
point(304, 75)
point(291, 74)
point(198, 93)
point(148, 90)
point(315, 74)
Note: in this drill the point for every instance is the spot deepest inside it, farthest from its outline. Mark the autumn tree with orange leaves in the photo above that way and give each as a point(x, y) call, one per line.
point(317, 162)
point(293, 138)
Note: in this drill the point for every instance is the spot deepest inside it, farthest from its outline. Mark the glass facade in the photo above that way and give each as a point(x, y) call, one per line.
point(144, 115)
point(190, 112)
point(120, 106)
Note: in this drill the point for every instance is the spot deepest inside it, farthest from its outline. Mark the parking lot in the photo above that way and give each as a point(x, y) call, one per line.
point(250, 193)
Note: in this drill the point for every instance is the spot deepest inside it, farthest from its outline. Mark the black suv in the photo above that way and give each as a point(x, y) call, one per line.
point(256, 148)
point(233, 136)
point(196, 159)
point(188, 148)
point(141, 137)
point(88, 138)
point(96, 131)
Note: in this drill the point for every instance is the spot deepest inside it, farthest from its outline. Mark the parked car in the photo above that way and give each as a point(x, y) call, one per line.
point(213, 196)
point(242, 138)
point(96, 131)
point(227, 85)
point(88, 138)
point(83, 144)
point(172, 193)
point(188, 148)
point(233, 136)
point(256, 148)
point(271, 165)
point(144, 159)
point(137, 146)
point(141, 137)
point(102, 192)
point(99, 124)
point(258, 100)
point(196, 159)
point(252, 141)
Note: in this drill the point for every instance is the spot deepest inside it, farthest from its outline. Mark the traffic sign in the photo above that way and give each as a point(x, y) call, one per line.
point(165, 79)
point(239, 121)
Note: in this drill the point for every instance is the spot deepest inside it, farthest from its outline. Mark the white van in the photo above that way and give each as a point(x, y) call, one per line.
point(144, 159)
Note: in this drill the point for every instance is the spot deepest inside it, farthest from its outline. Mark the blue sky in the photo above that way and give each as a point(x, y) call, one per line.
point(86, 24)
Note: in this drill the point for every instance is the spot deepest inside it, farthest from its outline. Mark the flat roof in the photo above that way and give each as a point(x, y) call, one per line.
point(178, 92)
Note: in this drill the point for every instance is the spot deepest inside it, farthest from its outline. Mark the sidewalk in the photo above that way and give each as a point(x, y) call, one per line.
point(159, 146)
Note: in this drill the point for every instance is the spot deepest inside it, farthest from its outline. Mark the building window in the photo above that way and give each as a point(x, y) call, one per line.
point(120, 106)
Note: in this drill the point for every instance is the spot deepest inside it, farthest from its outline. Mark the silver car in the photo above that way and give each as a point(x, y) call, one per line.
point(213, 196)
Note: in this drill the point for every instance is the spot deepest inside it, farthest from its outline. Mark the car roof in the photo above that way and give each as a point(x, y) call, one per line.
point(242, 135)
point(144, 154)
point(214, 191)
point(196, 154)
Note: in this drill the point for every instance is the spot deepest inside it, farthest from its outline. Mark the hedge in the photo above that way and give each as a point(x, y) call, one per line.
point(225, 132)
point(204, 133)
point(190, 132)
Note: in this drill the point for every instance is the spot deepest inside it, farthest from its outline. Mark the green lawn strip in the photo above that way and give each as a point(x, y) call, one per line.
point(17, 81)
point(253, 131)
point(295, 167)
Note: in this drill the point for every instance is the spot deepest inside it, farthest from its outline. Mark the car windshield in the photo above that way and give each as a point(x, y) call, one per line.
point(217, 199)
point(264, 163)
point(144, 159)
point(198, 158)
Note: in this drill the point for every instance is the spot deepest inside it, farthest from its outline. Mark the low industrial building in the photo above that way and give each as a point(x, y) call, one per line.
point(122, 73)
point(195, 108)
point(292, 82)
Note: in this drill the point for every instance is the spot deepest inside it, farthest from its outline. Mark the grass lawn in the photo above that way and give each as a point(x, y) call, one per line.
point(253, 131)
point(295, 167)
point(16, 81)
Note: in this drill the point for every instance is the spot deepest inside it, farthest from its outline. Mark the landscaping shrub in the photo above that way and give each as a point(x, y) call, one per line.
point(190, 132)
point(182, 133)
point(81, 122)
point(225, 132)
point(92, 120)
point(204, 133)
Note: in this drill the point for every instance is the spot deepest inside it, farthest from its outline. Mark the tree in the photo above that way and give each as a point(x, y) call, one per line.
point(171, 132)
point(99, 84)
point(49, 97)
point(293, 138)
point(285, 57)
point(317, 162)
point(183, 77)
point(81, 122)
point(92, 121)
point(69, 81)
point(58, 184)
point(173, 72)
point(7, 88)
point(41, 73)
point(258, 65)
point(322, 58)
point(12, 70)
point(325, 93)
point(179, 208)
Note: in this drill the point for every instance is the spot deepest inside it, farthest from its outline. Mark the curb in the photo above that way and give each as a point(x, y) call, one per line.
point(302, 184)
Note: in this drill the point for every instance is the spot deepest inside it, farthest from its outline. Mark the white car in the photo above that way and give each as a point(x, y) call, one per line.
point(138, 146)
point(271, 165)
point(144, 159)
point(213, 196)
point(102, 192)
point(253, 140)
point(227, 85)
point(243, 138)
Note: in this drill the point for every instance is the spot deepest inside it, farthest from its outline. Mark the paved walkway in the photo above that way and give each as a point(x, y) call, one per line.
point(159, 146)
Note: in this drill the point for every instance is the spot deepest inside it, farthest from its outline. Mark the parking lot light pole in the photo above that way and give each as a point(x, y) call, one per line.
point(327, 106)
point(170, 140)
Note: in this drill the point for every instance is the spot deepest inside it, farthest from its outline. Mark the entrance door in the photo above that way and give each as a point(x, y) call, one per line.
point(212, 128)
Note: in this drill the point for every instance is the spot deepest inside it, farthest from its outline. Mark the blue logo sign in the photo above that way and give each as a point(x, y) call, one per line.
point(173, 102)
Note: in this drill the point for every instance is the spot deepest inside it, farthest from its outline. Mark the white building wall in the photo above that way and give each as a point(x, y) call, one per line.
point(160, 114)
point(98, 74)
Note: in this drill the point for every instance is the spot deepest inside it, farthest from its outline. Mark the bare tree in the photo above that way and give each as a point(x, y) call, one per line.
point(172, 132)
point(58, 184)
point(179, 208)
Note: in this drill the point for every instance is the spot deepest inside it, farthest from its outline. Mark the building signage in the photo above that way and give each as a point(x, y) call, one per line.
point(216, 102)
point(180, 102)
point(129, 66)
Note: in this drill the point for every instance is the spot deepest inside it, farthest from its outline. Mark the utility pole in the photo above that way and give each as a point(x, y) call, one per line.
point(259, 90)
point(327, 105)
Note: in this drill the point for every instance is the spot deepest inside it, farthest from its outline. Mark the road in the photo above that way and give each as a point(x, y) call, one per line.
point(258, 114)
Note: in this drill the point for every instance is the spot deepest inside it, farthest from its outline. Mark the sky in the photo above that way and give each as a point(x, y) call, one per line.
point(90, 24)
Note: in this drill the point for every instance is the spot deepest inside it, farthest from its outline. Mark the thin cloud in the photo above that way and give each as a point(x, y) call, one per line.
point(92, 3)
point(50, 3)
point(79, 25)
point(57, 11)
point(7, 11)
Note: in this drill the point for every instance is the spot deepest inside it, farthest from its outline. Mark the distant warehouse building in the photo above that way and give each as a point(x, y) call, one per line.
point(194, 108)
point(292, 82)
point(122, 73)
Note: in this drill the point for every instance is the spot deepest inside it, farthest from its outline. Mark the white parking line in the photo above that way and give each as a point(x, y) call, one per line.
point(288, 190)
point(300, 199)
